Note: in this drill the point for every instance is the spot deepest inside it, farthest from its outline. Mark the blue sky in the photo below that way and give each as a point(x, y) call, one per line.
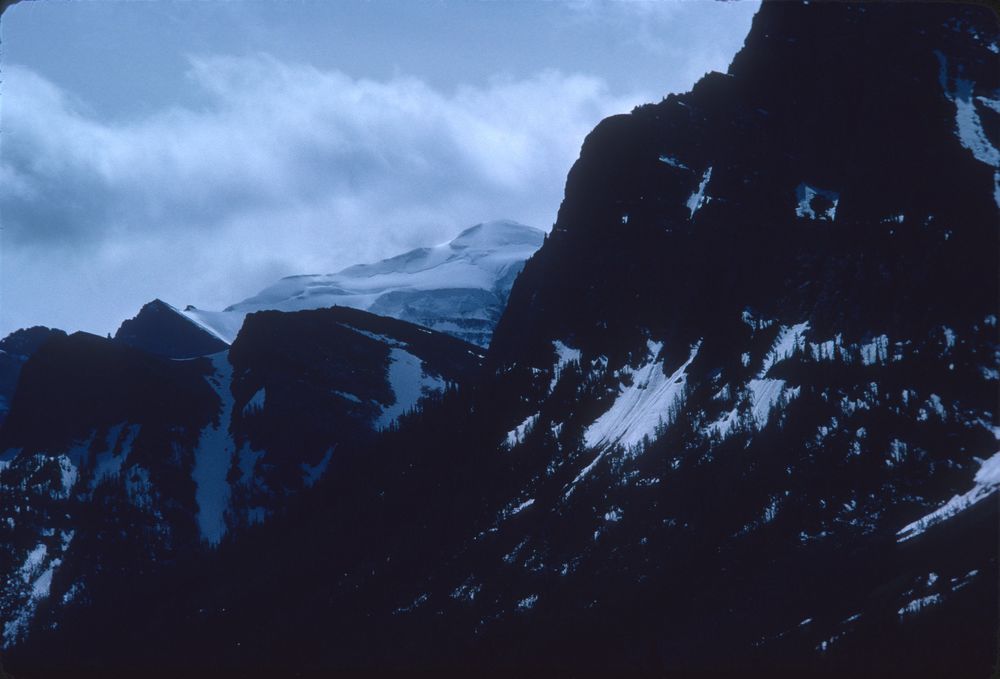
point(197, 151)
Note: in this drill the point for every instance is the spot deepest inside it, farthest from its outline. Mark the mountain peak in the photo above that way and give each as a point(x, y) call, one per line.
point(498, 233)
point(459, 287)
point(161, 329)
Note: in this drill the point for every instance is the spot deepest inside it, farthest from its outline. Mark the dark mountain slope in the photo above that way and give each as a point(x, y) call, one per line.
point(15, 349)
point(162, 330)
point(116, 463)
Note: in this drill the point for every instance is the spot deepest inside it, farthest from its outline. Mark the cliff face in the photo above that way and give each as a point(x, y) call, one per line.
point(843, 171)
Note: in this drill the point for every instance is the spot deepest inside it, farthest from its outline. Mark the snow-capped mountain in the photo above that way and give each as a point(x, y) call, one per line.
point(739, 415)
point(459, 287)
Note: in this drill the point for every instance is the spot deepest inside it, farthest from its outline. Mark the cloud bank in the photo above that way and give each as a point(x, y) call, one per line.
point(286, 169)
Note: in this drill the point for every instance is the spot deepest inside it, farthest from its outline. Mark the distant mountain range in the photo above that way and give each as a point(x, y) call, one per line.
point(459, 288)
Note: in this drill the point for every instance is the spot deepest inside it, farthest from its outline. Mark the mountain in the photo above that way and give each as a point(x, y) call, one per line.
point(116, 459)
point(459, 287)
point(738, 417)
point(162, 330)
point(15, 349)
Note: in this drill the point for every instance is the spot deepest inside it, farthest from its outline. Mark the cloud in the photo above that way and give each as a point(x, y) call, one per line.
point(691, 35)
point(283, 168)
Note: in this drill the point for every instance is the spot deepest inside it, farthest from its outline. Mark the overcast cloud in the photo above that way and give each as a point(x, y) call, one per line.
point(269, 166)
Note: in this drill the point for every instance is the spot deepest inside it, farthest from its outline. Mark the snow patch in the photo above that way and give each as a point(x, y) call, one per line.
point(409, 384)
point(897, 451)
point(763, 393)
point(39, 587)
point(521, 507)
point(673, 162)
point(467, 591)
point(828, 350)
point(313, 473)
point(416, 603)
point(876, 351)
point(517, 434)
point(753, 322)
point(349, 397)
point(789, 340)
point(527, 602)
point(698, 198)
point(959, 583)
point(68, 474)
point(917, 605)
point(564, 356)
point(108, 463)
point(642, 407)
point(968, 125)
point(804, 208)
point(33, 562)
point(986, 482)
point(213, 456)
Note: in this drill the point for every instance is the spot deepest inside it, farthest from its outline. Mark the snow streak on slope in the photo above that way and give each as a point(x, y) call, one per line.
point(968, 125)
point(108, 463)
point(517, 434)
point(214, 456)
point(805, 208)
point(987, 482)
point(642, 406)
point(697, 199)
point(39, 583)
point(564, 356)
point(464, 282)
point(409, 384)
point(222, 324)
point(764, 392)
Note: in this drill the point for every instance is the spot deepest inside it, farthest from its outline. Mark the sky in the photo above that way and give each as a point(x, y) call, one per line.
point(197, 151)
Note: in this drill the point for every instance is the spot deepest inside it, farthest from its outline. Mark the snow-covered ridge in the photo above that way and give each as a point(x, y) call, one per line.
point(459, 287)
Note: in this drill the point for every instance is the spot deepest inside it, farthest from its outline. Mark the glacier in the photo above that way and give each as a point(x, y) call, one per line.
point(459, 287)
